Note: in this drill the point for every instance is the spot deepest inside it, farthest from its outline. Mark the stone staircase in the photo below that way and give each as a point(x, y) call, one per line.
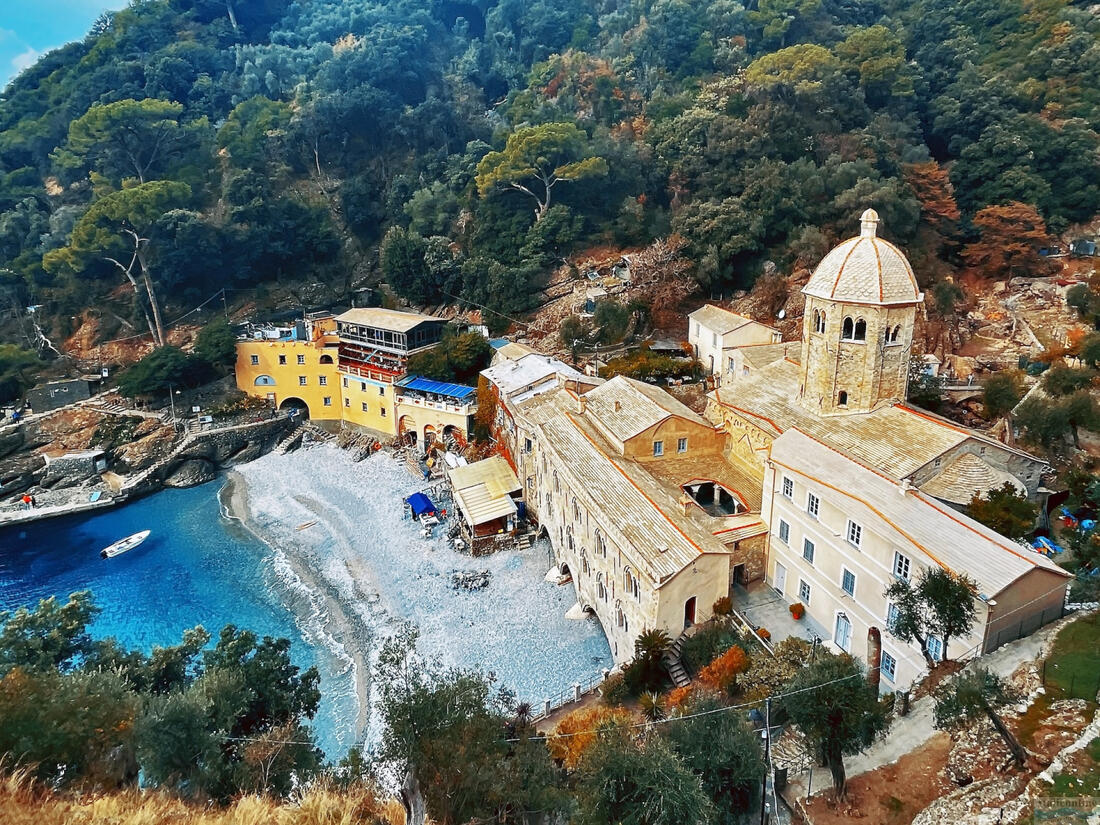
point(672, 660)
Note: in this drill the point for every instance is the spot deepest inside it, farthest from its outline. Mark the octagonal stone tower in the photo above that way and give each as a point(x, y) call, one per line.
point(857, 333)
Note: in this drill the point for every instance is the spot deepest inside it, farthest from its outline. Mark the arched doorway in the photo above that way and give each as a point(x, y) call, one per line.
point(455, 434)
point(429, 435)
point(406, 430)
point(296, 404)
point(689, 613)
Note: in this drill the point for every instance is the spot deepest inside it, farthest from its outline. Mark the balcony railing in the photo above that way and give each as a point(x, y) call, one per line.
point(442, 406)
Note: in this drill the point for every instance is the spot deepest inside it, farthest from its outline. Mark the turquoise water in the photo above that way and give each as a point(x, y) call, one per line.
point(197, 567)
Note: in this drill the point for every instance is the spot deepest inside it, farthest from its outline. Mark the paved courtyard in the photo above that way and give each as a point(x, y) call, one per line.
point(766, 608)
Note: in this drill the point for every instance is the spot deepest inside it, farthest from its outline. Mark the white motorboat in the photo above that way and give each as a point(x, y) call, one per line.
point(123, 545)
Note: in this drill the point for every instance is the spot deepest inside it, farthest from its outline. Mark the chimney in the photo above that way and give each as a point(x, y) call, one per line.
point(582, 404)
point(685, 504)
point(618, 406)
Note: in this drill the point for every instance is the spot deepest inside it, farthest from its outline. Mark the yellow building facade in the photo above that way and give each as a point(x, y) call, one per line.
point(352, 368)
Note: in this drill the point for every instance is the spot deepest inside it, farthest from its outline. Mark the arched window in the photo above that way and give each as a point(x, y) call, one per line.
point(576, 510)
point(584, 562)
point(817, 320)
point(326, 359)
point(620, 617)
point(895, 333)
point(264, 381)
point(569, 538)
point(861, 330)
point(631, 583)
point(886, 336)
point(557, 486)
point(842, 399)
point(846, 331)
point(601, 545)
point(601, 591)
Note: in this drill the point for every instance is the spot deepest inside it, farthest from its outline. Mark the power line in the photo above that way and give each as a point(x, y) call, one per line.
point(220, 292)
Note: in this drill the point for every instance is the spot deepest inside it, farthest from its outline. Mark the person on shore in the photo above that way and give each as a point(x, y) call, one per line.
point(27, 501)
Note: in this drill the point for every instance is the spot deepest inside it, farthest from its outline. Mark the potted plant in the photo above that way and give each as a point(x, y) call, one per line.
point(798, 610)
point(763, 633)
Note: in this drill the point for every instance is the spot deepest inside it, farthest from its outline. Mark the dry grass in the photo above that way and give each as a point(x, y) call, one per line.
point(24, 803)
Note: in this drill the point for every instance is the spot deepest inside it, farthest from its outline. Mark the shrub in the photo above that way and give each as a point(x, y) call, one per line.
point(578, 731)
point(677, 697)
point(722, 606)
point(706, 645)
point(721, 674)
point(615, 690)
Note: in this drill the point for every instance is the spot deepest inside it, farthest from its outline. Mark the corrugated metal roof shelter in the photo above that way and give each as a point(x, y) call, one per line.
point(483, 490)
point(415, 382)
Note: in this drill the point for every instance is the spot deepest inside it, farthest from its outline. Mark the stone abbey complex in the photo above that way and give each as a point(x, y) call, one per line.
point(808, 481)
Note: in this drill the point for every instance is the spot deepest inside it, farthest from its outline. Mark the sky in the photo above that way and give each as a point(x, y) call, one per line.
point(30, 28)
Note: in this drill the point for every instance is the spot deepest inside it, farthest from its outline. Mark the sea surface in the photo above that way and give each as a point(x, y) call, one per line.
point(333, 535)
point(197, 567)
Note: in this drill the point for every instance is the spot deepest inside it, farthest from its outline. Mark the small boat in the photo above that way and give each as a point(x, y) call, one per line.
point(305, 525)
point(123, 545)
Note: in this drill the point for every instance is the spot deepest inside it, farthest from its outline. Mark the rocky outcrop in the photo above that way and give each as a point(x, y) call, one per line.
point(190, 472)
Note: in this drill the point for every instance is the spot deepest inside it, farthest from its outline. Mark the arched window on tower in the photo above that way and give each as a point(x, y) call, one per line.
point(822, 323)
point(842, 399)
point(848, 330)
point(895, 333)
point(861, 331)
point(817, 320)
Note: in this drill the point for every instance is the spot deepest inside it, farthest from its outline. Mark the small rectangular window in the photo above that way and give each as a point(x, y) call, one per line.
point(382, 411)
point(808, 550)
point(282, 359)
point(855, 533)
point(328, 400)
point(813, 504)
point(345, 383)
point(527, 445)
point(364, 405)
point(682, 445)
point(901, 566)
point(362, 387)
point(301, 359)
point(381, 390)
point(255, 360)
point(889, 666)
point(935, 648)
point(784, 532)
point(803, 591)
point(347, 402)
point(322, 380)
point(301, 380)
point(788, 487)
point(891, 616)
point(848, 582)
point(658, 448)
point(714, 339)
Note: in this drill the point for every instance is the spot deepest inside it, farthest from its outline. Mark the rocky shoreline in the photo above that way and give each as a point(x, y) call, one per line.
point(343, 625)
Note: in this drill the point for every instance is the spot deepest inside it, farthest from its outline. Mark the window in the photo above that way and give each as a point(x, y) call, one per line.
point(842, 637)
point(347, 402)
point(861, 330)
point(714, 339)
point(894, 334)
point(601, 591)
point(328, 400)
point(322, 380)
point(301, 380)
point(301, 359)
point(848, 582)
point(891, 616)
point(364, 405)
point(681, 445)
point(842, 399)
point(363, 387)
point(345, 383)
point(658, 448)
point(808, 550)
point(788, 488)
point(631, 584)
point(527, 445)
point(813, 504)
point(282, 359)
point(847, 329)
point(784, 532)
point(601, 545)
point(382, 411)
point(855, 533)
point(381, 390)
point(255, 359)
point(803, 591)
point(889, 666)
point(935, 648)
point(901, 566)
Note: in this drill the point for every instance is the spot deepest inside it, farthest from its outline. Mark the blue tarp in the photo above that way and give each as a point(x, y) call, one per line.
point(415, 382)
point(420, 504)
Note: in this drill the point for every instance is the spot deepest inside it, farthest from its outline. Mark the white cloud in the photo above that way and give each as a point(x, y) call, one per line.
point(24, 59)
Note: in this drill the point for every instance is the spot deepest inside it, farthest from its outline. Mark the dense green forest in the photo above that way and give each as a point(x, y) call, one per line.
point(460, 150)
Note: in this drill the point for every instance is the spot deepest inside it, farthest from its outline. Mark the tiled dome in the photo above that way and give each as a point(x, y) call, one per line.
point(865, 270)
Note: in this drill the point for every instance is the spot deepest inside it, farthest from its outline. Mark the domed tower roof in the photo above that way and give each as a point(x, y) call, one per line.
point(865, 270)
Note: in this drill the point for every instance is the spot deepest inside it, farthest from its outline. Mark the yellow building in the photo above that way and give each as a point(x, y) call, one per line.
point(353, 368)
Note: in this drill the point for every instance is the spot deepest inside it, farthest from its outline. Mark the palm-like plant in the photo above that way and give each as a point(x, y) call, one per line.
point(653, 706)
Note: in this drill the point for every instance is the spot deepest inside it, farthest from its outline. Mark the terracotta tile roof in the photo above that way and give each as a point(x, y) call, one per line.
point(913, 519)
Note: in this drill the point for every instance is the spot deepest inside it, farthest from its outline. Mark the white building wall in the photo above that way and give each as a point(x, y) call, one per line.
point(872, 564)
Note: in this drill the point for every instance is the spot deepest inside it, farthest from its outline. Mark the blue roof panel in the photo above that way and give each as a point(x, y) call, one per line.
point(415, 382)
point(420, 504)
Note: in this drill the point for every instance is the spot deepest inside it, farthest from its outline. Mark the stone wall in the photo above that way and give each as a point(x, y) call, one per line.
point(207, 453)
